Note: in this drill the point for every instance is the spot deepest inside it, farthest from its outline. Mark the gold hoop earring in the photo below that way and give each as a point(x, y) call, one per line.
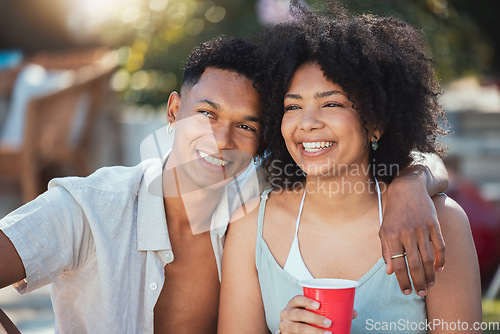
point(170, 128)
point(256, 160)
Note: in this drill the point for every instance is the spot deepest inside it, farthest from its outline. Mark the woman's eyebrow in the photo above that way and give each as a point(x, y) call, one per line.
point(328, 93)
point(293, 96)
point(318, 95)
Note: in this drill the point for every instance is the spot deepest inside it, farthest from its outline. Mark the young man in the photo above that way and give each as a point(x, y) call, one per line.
point(106, 242)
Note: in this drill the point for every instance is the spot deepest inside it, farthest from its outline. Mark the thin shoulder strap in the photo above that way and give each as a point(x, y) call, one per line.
point(379, 196)
point(262, 209)
point(297, 222)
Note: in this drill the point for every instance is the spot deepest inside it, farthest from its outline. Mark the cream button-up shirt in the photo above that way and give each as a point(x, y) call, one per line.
point(102, 241)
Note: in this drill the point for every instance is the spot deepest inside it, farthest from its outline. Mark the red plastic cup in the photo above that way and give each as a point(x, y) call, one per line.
point(336, 299)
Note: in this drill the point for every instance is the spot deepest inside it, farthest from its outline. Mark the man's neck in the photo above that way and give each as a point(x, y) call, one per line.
point(190, 211)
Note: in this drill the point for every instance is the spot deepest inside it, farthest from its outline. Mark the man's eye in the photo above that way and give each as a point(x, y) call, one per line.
point(248, 128)
point(207, 113)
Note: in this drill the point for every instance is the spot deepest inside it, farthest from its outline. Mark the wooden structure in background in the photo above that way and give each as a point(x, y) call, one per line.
point(50, 139)
point(6, 325)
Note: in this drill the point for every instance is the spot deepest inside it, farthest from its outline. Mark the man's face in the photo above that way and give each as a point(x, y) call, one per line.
point(217, 127)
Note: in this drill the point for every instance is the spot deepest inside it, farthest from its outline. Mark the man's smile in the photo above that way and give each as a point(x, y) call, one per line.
point(212, 160)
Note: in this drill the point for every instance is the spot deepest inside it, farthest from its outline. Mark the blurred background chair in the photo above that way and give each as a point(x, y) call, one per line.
point(55, 101)
point(6, 325)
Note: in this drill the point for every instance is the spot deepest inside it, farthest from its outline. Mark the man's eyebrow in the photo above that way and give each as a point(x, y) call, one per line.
point(328, 93)
point(211, 103)
point(252, 119)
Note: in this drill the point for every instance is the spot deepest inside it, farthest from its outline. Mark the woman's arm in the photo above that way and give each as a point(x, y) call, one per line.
point(241, 309)
point(455, 300)
point(410, 223)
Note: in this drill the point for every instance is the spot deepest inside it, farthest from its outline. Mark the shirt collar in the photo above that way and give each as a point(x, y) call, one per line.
point(152, 231)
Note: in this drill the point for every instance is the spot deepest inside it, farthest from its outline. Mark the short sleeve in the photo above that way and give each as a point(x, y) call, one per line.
point(51, 236)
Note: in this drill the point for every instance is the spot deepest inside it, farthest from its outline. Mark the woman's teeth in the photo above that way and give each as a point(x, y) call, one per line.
point(316, 146)
point(214, 161)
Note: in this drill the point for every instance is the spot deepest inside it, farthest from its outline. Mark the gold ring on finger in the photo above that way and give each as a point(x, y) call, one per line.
point(399, 255)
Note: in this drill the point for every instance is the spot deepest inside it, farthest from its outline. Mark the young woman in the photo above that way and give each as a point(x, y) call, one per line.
point(351, 98)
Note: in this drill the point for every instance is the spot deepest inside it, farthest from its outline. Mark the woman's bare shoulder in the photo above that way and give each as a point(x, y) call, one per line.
point(245, 218)
point(452, 218)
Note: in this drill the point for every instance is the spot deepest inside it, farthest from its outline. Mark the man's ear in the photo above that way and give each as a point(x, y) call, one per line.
point(174, 103)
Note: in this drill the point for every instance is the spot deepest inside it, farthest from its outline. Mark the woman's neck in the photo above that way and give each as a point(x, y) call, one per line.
point(341, 198)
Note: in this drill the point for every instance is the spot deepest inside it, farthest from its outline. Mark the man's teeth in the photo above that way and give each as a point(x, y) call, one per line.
point(214, 161)
point(316, 146)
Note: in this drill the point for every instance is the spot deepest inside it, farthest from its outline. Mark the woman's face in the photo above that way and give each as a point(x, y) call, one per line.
point(322, 131)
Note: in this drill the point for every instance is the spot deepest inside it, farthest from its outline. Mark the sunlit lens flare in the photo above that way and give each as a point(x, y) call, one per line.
point(86, 17)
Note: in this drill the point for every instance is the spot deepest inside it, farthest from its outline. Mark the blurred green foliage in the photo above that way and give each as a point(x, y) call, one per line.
point(455, 36)
point(159, 34)
point(155, 49)
point(491, 313)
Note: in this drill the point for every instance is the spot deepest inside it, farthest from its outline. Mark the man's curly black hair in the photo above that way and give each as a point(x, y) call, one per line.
point(227, 53)
point(380, 62)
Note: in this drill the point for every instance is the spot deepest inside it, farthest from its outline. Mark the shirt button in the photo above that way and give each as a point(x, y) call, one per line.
point(169, 256)
point(153, 286)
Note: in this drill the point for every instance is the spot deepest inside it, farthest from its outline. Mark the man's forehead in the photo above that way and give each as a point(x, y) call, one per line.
point(221, 86)
point(214, 73)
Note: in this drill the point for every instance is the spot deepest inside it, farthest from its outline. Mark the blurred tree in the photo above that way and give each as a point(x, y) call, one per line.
point(152, 61)
point(154, 36)
point(459, 32)
point(485, 16)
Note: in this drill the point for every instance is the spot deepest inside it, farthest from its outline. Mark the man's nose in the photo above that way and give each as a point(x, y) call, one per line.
point(224, 137)
point(310, 119)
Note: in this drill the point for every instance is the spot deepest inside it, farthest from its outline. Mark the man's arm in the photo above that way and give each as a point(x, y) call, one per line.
point(11, 266)
point(411, 225)
point(43, 238)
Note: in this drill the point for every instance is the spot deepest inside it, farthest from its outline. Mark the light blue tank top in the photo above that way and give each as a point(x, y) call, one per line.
point(381, 305)
point(294, 264)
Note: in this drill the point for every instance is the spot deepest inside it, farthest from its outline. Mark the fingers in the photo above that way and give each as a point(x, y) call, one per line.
point(396, 265)
point(301, 301)
point(427, 260)
point(416, 268)
point(401, 272)
point(419, 261)
point(386, 253)
point(439, 247)
point(297, 317)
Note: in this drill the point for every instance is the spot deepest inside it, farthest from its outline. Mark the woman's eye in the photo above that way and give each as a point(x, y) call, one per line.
point(207, 113)
point(333, 105)
point(291, 107)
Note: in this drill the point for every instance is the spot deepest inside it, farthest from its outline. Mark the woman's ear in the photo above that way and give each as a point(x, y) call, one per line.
point(174, 102)
point(378, 133)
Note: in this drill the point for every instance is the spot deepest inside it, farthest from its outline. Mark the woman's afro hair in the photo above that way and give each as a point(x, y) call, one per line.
point(382, 63)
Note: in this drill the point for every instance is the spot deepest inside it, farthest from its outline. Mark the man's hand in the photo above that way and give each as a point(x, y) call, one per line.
point(411, 226)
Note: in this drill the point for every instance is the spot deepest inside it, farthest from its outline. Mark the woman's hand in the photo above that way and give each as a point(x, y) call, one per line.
point(297, 317)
